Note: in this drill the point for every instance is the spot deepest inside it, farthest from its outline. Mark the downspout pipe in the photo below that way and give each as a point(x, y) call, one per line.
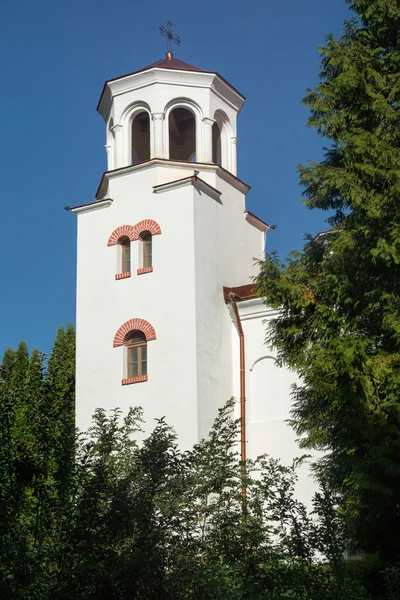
point(242, 397)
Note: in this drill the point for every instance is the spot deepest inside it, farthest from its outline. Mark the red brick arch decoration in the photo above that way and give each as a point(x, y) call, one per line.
point(133, 231)
point(146, 225)
point(122, 231)
point(133, 325)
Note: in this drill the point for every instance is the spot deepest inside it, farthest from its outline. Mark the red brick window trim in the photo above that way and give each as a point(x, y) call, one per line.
point(123, 333)
point(144, 270)
point(122, 275)
point(130, 380)
point(146, 225)
point(127, 231)
point(132, 232)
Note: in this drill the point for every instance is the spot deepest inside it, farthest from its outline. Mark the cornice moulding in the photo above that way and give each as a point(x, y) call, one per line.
point(198, 183)
point(198, 79)
point(90, 206)
point(166, 163)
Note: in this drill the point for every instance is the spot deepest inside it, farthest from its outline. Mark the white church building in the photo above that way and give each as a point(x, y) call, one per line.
point(166, 313)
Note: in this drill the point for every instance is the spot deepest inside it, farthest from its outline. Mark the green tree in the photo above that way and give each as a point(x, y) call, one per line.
point(339, 299)
point(37, 443)
point(60, 400)
point(150, 522)
point(113, 515)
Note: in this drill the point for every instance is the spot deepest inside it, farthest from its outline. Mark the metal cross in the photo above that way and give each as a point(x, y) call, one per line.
point(171, 37)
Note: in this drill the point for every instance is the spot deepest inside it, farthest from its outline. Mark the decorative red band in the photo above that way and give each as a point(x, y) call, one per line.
point(134, 380)
point(144, 270)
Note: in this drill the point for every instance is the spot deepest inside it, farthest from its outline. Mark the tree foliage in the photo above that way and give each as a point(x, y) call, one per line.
point(146, 521)
point(37, 446)
point(339, 299)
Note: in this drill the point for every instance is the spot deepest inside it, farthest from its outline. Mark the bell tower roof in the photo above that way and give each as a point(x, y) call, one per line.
point(168, 63)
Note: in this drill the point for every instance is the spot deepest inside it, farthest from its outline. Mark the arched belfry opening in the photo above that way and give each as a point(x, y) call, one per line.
point(182, 134)
point(141, 137)
point(216, 145)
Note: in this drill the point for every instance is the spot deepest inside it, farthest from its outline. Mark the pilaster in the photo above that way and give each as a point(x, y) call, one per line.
point(118, 146)
point(110, 157)
point(157, 138)
point(207, 153)
point(234, 141)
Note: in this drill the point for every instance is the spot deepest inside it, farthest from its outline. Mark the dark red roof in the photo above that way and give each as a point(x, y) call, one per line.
point(241, 292)
point(172, 63)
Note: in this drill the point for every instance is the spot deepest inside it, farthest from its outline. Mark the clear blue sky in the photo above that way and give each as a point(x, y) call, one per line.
point(55, 57)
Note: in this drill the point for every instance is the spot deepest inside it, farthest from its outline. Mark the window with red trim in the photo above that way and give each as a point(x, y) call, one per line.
point(136, 355)
point(147, 249)
point(125, 245)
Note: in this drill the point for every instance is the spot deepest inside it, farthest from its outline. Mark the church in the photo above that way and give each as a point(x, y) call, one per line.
point(167, 318)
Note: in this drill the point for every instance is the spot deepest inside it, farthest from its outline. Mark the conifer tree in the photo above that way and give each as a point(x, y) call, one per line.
point(339, 299)
point(60, 394)
point(37, 443)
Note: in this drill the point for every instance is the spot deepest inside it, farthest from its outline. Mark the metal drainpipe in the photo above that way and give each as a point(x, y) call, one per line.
point(242, 398)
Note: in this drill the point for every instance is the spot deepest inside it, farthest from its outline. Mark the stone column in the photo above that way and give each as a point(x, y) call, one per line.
point(108, 148)
point(157, 140)
point(234, 141)
point(207, 150)
point(118, 147)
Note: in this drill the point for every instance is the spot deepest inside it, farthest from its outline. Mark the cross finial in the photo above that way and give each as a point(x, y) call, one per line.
point(171, 37)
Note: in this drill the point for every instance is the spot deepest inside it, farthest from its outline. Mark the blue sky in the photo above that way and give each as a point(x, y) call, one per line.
point(55, 57)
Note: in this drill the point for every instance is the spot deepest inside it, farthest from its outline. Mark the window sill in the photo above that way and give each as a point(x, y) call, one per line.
point(145, 270)
point(123, 275)
point(134, 380)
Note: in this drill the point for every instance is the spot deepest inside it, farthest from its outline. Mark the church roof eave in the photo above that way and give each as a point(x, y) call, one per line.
point(240, 292)
point(80, 208)
point(105, 95)
point(194, 180)
point(240, 185)
point(252, 219)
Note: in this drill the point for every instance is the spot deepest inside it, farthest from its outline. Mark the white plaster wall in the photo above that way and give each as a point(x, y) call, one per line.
point(165, 298)
point(193, 365)
point(204, 245)
point(225, 247)
point(268, 396)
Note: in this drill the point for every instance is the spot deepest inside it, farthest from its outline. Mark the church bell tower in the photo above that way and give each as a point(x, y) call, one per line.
point(167, 232)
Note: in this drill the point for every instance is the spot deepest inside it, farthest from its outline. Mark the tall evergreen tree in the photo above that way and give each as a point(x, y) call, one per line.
point(339, 299)
point(37, 444)
point(60, 394)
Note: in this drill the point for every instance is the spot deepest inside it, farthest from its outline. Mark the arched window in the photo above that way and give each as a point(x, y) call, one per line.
point(125, 244)
point(146, 249)
point(136, 355)
point(276, 404)
point(182, 134)
point(141, 138)
point(134, 336)
point(223, 136)
point(216, 145)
